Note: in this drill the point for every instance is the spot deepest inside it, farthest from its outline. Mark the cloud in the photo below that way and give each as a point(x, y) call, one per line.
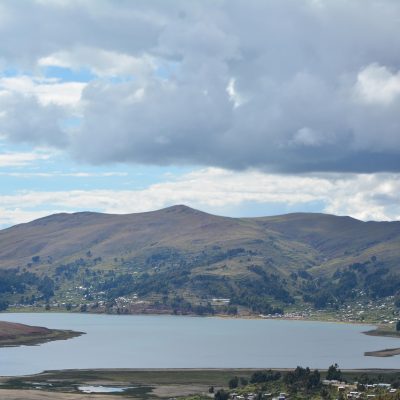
point(281, 86)
point(374, 196)
point(103, 63)
point(21, 159)
point(11, 161)
point(377, 85)
point(46, 91)
point(23, 119)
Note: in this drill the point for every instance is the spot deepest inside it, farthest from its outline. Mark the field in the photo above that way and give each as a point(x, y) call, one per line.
point(149, 384)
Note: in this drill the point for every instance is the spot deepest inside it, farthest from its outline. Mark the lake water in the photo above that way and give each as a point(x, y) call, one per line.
point(191, 342)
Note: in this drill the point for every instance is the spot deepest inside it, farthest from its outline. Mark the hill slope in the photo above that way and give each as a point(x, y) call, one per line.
point(185, 254)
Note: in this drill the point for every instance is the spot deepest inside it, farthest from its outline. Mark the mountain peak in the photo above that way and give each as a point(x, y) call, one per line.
point(180, 208)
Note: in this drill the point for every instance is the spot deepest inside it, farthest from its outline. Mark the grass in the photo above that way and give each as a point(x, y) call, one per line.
point(160, 383)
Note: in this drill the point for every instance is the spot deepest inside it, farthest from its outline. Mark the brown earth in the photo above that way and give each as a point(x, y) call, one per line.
point(14, 334)
point(10, 394)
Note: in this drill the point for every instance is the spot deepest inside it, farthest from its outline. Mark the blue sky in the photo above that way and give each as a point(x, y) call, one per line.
point(237, 108)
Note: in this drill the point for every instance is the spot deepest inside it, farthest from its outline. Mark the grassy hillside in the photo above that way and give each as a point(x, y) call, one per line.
point(183, 259)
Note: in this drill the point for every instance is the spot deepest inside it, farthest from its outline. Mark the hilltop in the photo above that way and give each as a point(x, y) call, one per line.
point(179, 258)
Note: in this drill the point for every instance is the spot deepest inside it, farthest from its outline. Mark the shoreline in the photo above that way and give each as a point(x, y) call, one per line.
point(17, 334)
point(219, 316)
point(383, 353)
point(381, 332)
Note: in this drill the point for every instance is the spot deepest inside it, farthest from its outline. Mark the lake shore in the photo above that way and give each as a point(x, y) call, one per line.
point(384, 332)
point(139, 383)
point(15, 334)
point(318, 317)
point(383, 353)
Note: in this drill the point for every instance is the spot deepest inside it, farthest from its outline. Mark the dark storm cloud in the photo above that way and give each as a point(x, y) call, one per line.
point(277, 85)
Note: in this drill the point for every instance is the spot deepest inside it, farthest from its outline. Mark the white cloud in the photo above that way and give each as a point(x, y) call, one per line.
point(101, 62)
point(307, 137)
point(22, 158)
point(375, 196)
point(47, 91)
point(53, 174)
point(234, 96)
point(376, 84)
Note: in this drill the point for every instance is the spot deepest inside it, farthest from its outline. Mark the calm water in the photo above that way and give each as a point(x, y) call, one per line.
point(190, 342)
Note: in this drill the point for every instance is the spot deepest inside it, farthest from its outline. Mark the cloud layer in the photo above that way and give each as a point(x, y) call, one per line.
point(374, 196)
point(279, 85)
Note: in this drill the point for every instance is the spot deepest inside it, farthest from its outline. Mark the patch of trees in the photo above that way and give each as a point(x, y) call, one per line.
point(257, 304)
point(3, 304)
point(13, 282)
point(397, 301)
point(67, 271)
point(230, 310)
point(212, 285)
point(324, 294)
point(215, 255)
point(221, 395)
point(236, 382)
point(330, 293)
point(46, 287)
point(117, 285)
point(266, 285)
point(383, 286)
point(162, 256)
point(334, 373)
point(181, 306)
point(265, 376)
point(302, 378)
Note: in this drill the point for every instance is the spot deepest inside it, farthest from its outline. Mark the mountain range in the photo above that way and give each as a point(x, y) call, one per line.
point(180, 252)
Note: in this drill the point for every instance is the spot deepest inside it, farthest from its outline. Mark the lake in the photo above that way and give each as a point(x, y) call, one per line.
point(138, 341)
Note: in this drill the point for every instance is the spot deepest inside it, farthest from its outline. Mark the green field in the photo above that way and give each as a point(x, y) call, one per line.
point(186, 383)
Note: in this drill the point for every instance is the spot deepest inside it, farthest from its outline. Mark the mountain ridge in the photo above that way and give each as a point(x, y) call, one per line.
point(182, 251)
point(314, 229)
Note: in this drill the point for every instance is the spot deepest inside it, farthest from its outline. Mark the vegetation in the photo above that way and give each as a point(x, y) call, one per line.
point(334, 373)
point(298, 384)
point(183, 261)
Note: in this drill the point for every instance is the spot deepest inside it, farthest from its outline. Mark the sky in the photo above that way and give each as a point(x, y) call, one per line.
point(234, 107)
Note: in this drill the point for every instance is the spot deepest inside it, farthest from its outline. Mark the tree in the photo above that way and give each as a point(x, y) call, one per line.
point(234, 382)
point(334, 373)
point(264, 376)
point(397, 301)
point(221, 395)
point(3, 304)
point(243, 381)
point(398, 326)
point(211, 389)
point(46, 286)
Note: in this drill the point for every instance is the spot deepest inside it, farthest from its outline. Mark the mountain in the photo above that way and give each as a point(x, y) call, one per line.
point(188, 256)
